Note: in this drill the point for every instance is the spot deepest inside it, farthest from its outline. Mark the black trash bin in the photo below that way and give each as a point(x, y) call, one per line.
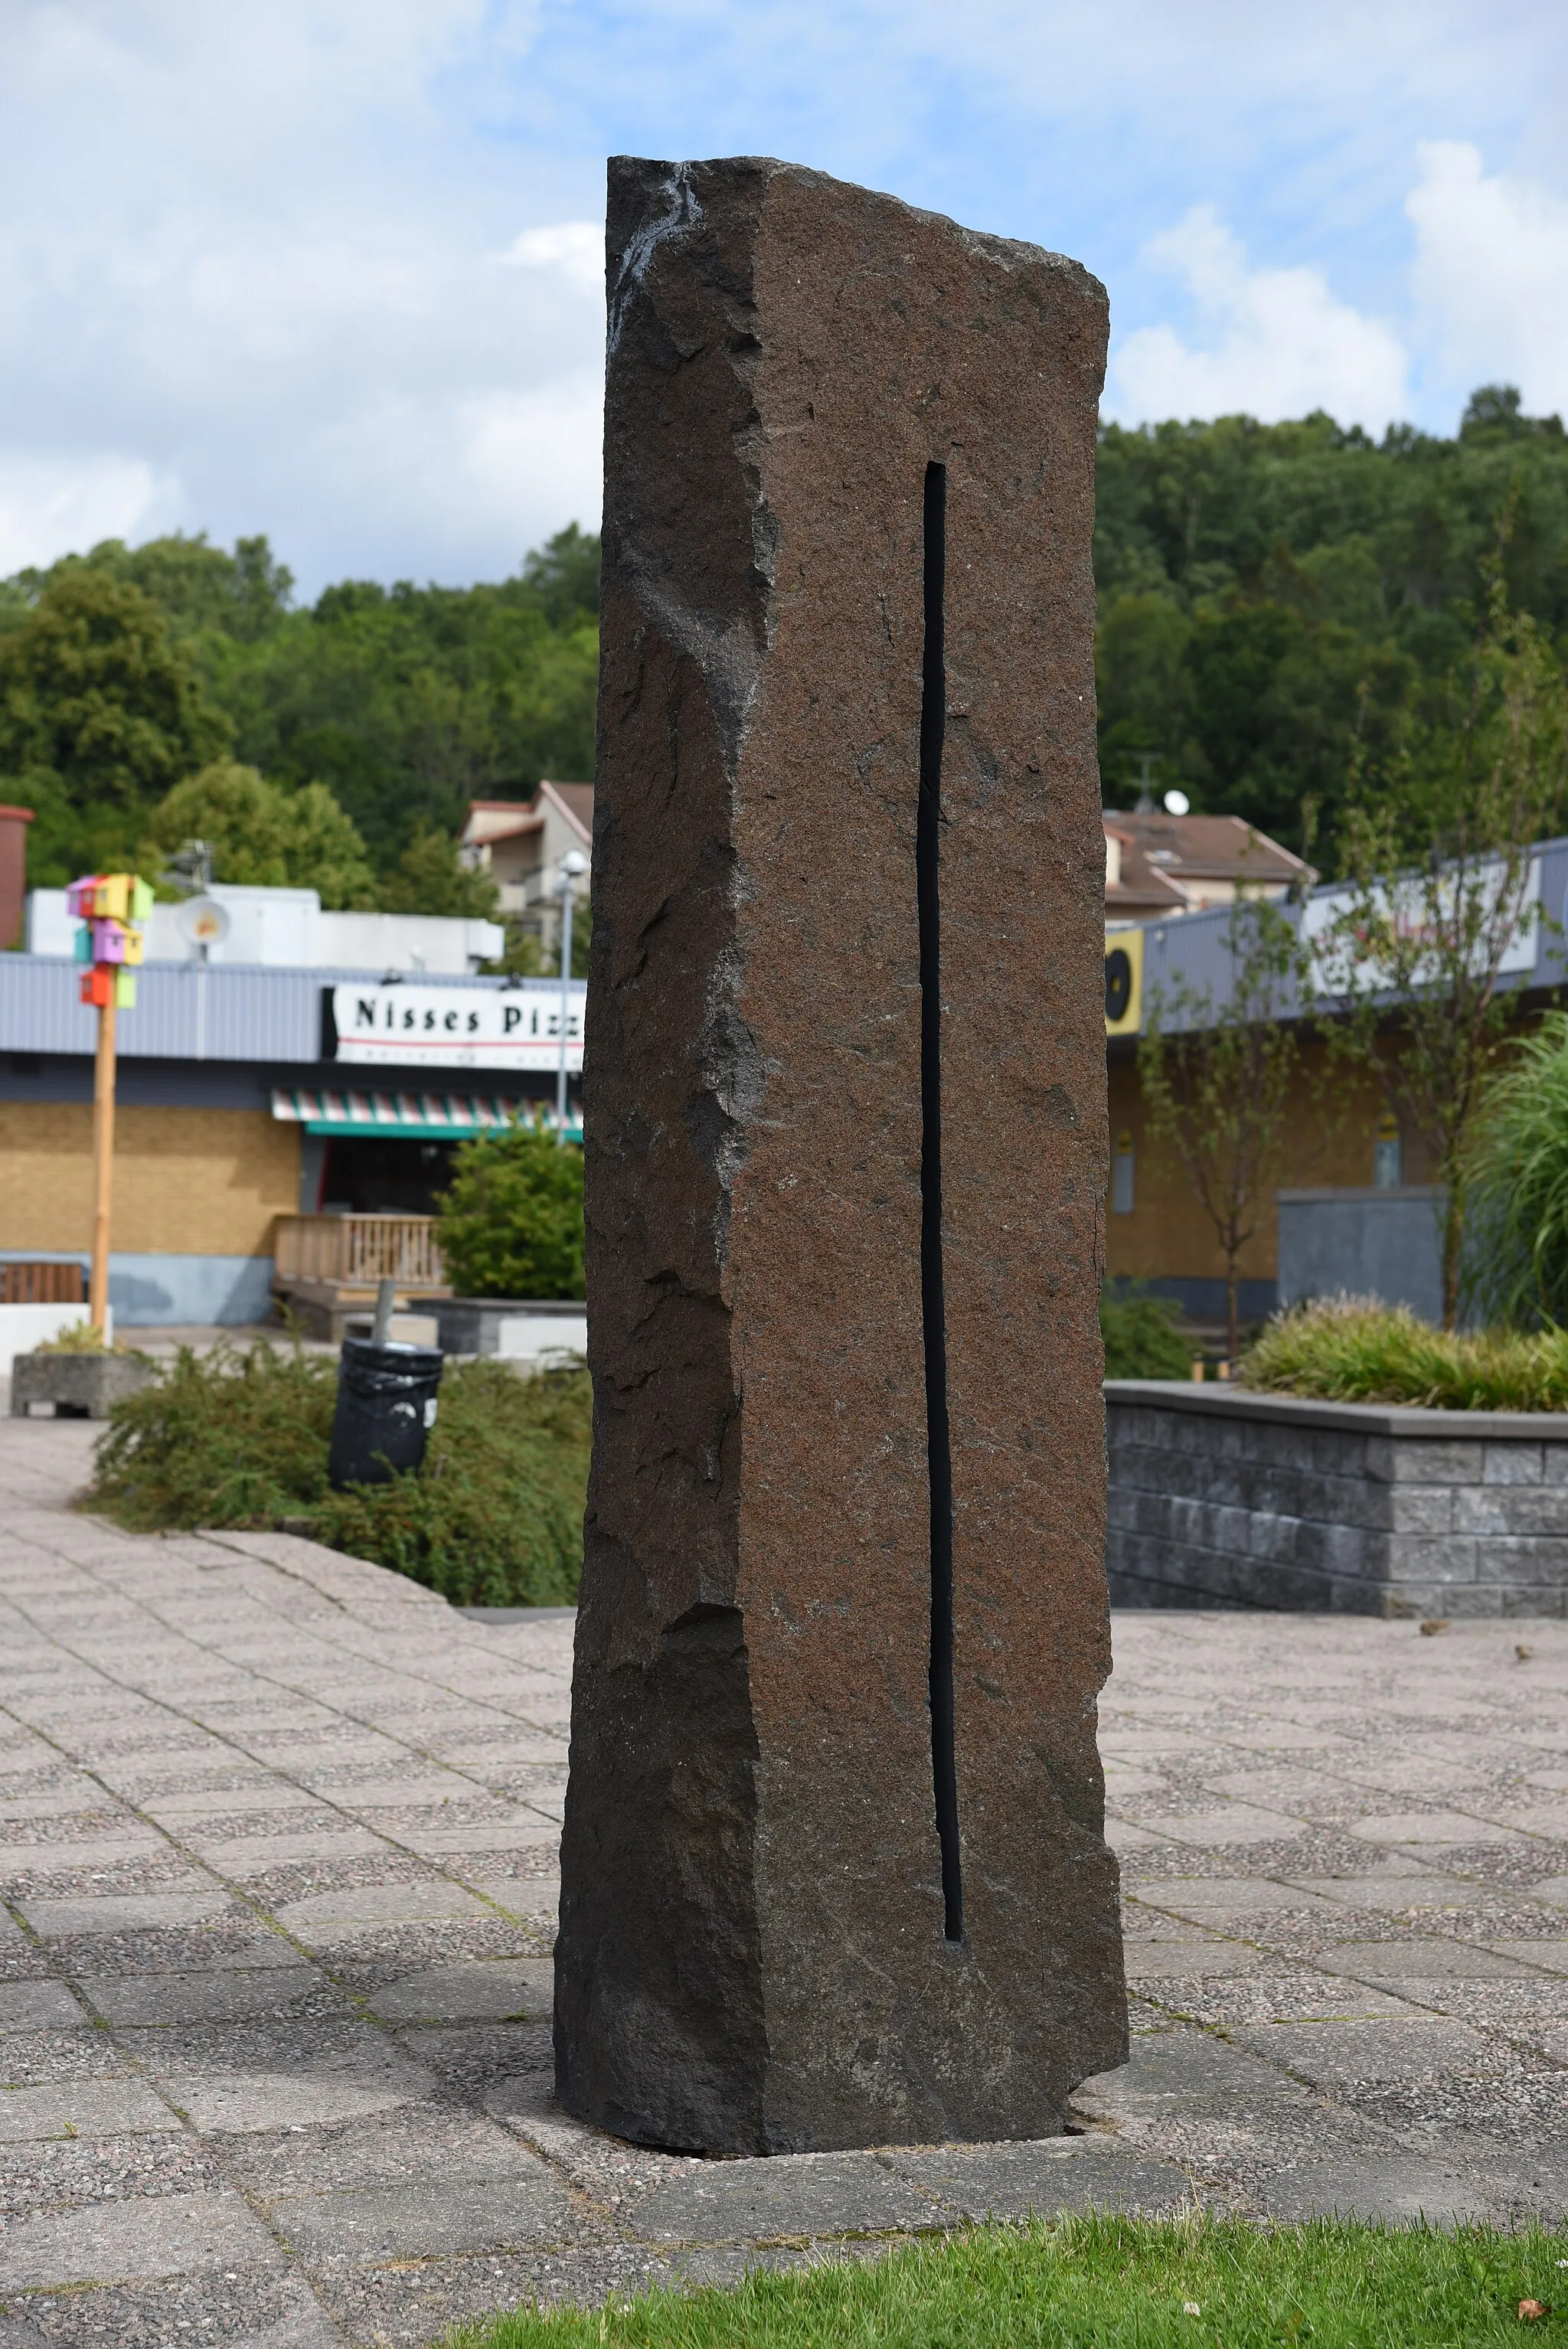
point(386, 1410)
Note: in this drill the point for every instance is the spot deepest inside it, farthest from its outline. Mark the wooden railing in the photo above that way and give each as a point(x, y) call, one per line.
point(42, 1284)
point(357, 1252)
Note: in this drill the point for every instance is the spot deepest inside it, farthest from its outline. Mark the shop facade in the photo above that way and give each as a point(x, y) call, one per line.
point(247, 1094)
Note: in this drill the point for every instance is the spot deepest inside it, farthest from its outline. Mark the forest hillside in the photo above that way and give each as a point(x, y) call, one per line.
point(1282, 609)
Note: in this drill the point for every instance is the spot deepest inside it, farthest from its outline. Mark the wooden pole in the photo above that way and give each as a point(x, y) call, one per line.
point(103, 1165)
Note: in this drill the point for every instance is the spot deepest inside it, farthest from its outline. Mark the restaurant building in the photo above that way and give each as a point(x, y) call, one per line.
point(309, 1065)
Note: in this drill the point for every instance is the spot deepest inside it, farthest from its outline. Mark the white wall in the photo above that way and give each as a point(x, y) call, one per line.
point(286, 928)
point(23, 1326)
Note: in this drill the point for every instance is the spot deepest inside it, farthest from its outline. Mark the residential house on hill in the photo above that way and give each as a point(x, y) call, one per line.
point(520, 842)
point(1158, 865)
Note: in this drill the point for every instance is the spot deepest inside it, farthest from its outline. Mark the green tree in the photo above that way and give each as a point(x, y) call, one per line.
point(263, 836)
point(1219, 1077)
point(1141, 1338)
point(1278, 600)
point(511, 1223)
point(1437, 844)
point(430, 878)
point(196, 586)
point(100, 713)
point(562, 576)
point(408, 702)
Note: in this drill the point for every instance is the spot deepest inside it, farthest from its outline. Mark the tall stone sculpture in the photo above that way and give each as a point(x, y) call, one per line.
point(833, 1871)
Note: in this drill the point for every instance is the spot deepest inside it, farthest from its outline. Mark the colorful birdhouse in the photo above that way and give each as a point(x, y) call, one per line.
point(110, 945)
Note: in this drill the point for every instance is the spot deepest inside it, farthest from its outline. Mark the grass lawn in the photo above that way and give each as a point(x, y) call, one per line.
point(1119, 2283)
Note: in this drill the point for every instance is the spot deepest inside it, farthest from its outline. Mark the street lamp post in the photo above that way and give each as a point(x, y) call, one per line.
point(574, 866)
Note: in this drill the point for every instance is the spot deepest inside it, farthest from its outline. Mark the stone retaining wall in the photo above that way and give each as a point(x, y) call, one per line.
point(1224, 1498)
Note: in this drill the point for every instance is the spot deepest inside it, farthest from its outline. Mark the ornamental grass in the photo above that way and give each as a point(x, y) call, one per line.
point(1357, 1349)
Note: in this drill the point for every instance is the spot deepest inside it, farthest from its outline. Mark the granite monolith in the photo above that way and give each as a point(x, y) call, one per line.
point(833, 1870)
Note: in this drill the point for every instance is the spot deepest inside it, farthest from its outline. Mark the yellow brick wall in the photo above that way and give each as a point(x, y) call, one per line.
point(186, 1182)
point(1168, 1236)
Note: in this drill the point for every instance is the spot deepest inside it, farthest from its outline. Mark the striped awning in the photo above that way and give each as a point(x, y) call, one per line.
point(415, 1117)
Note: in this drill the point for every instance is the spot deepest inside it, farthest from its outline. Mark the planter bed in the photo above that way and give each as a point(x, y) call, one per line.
point(1220, 1497)
point(77, 1386)
point(521, 1329)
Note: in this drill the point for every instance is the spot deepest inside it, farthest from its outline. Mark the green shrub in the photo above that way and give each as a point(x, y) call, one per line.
point(493, 1518)
point(1518, 1207)
point(511, 1223)
point(1141, 1338)
point(1356, 1350)
point(230, 1439)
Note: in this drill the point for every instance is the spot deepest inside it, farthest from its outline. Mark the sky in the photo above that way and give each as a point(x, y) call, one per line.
point(332, 269)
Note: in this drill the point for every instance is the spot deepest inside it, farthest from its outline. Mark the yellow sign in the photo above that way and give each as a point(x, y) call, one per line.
point(1123, 981)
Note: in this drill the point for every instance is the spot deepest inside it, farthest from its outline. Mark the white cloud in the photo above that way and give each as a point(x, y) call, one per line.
point(574, 247)
point(331, 268)
point(1491, 276)
point(1273, 341)
point(51, 503)
point(250, 249)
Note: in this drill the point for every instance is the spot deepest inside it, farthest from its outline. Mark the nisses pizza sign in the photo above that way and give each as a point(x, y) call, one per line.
point(453, 1027)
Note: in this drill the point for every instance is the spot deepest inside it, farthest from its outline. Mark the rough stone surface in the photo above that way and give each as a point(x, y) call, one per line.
point(1252, 1500)
point(752, 1954)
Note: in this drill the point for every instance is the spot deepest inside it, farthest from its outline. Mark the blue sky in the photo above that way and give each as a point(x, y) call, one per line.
point(330, 268)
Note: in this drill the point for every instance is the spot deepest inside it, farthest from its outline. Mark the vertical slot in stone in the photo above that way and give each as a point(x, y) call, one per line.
point(939, 1450)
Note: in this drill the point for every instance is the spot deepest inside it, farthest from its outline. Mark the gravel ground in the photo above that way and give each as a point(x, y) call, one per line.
point(278, 1835)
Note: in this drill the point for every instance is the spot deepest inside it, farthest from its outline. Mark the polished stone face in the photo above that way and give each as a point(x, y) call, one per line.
point(756, 1952)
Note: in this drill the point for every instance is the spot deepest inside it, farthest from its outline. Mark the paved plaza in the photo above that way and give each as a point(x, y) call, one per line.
point(275, 1984)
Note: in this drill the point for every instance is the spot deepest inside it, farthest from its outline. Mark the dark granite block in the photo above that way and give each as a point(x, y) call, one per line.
point(758, 1952)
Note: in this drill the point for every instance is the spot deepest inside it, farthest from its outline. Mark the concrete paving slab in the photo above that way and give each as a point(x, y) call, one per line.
point(489, 1990)
point(243, 1857)
point(37, 2006)
point(1235, 1823)
point(1394, 2188)
point(225, 1995)
point(321, 1919)
point(1390, 2021)
point(1044, 2181)
point(1420, 1956)
point(1342, 2052)
point(1186, 2071)
point(114, 1912)
point(1552, 1955)
point(175, 2234)
point(83, 2108)
point(256, 2101)
point(1415, 1886)
point(416, 2142)
point(793, 2195)
point(1434, 1829)
point(1162, 1958)
point(1221, 1898)
point(433, 2219)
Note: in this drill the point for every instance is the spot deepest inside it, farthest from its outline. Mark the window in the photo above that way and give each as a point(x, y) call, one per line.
point(1123, 1171)
point(1388, 1154)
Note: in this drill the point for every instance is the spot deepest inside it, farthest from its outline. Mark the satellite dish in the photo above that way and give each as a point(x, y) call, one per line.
point(1177, 803)
point(203, 921)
